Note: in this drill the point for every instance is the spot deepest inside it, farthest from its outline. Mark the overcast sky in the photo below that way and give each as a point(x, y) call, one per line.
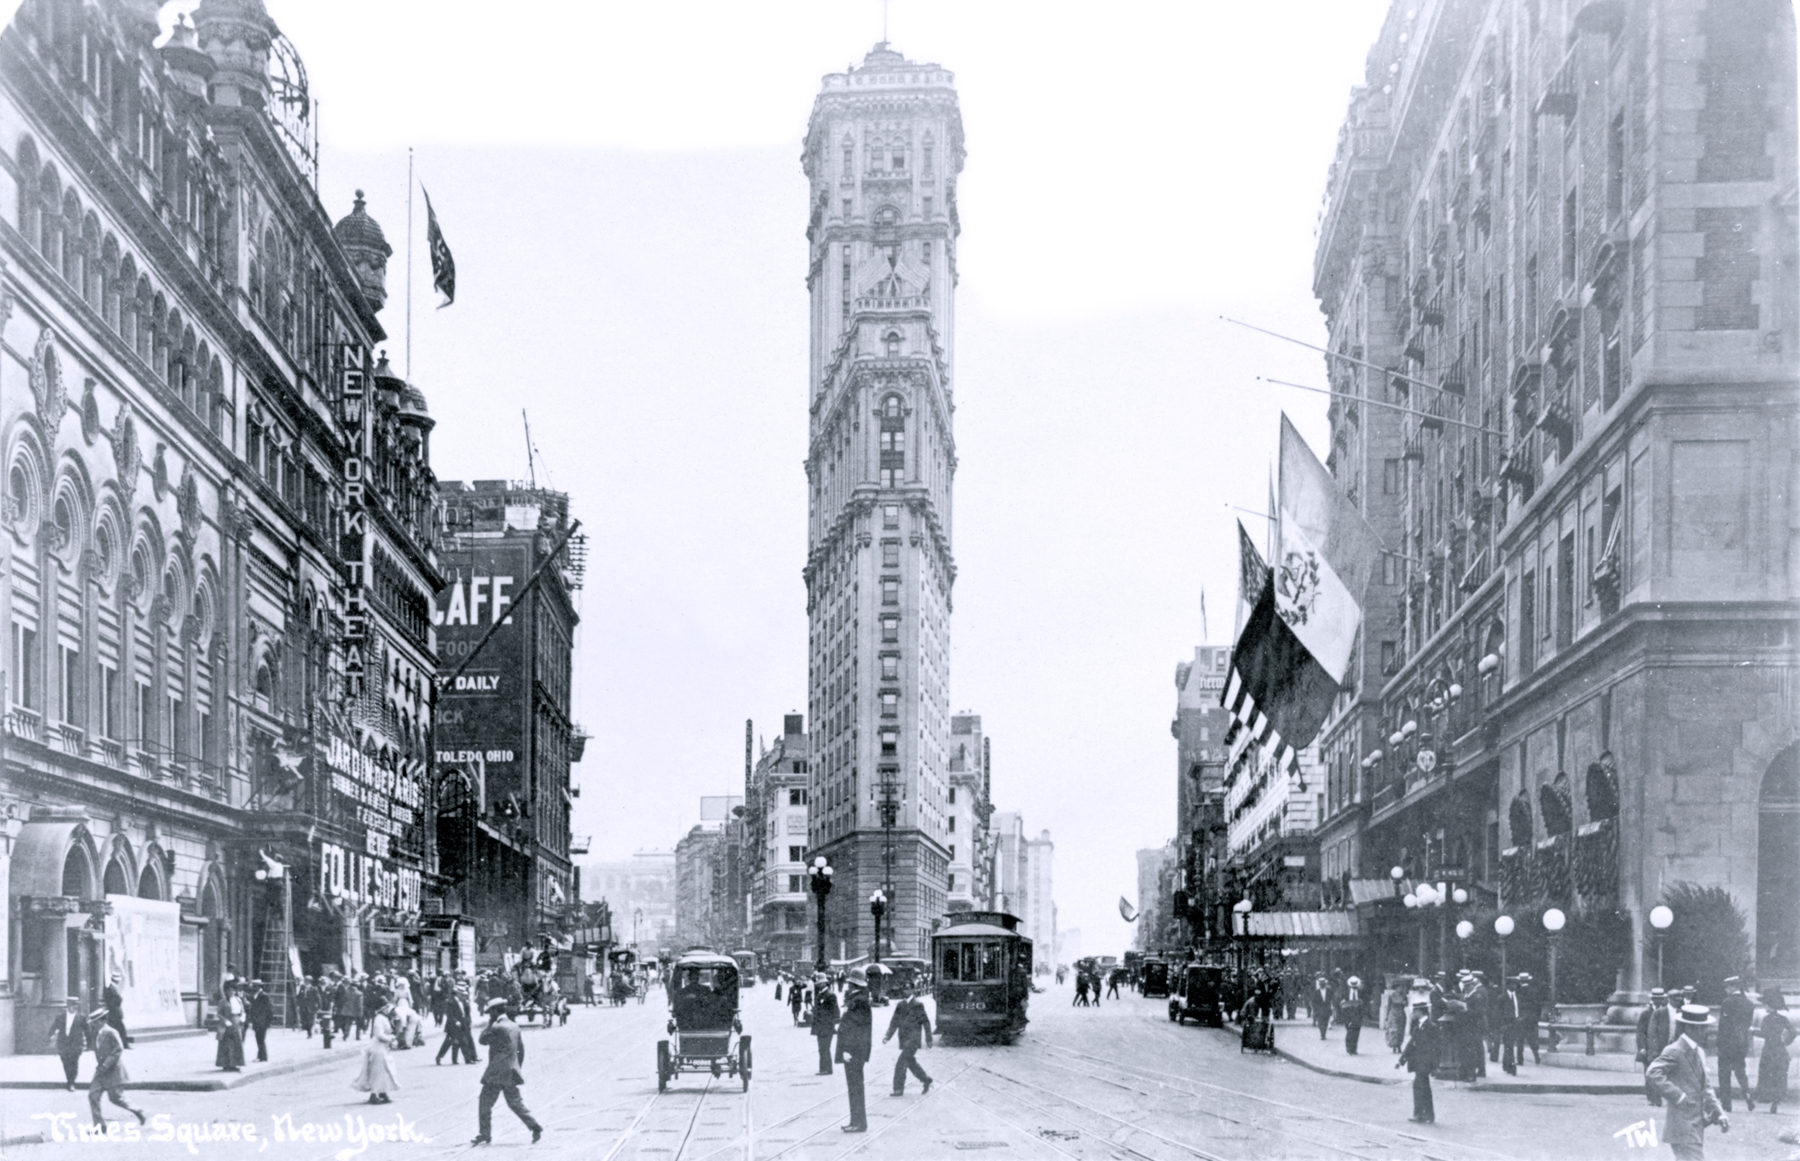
point(620, 184)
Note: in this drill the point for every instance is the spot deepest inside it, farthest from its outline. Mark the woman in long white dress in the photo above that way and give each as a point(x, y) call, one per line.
point(377, 1076)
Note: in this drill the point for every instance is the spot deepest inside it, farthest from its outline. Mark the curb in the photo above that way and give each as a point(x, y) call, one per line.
point(217, 1083)
point(1523, 1088)
point(1319, 1068)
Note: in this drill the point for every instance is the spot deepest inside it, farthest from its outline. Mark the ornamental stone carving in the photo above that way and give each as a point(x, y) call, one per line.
point(187, 503)
point(47, 383)
point(159, 472)
point(90, 414)
point(128, 458)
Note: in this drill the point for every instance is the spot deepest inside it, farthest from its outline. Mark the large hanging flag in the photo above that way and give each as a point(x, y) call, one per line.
point(1297, 641)
point(443, 266)
point(1126, 911)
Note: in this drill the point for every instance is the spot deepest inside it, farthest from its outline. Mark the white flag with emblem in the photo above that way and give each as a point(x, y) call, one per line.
point(1325, 552)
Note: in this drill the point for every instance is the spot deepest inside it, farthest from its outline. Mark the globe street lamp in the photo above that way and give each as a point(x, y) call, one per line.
point(1464, 929)
point(877, 905)
point(1553, 924)
point(1503, 927)
point(1242, 909)
point(819, 877)
point(1660, 919)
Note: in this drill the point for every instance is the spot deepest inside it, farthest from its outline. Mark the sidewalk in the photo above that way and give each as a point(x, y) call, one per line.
point(1298, 1041)
point(185, 1064)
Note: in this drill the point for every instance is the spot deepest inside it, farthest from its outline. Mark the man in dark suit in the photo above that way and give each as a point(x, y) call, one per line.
point(824, 1020)
point(349, 1008)
point(68, 1035)
point(306, 1000)
point(114, 1002)
point(506, 1052)
point(1420, 1053)
point(856, 1035)
point(1350, 1013)
point(1531, 1014)
point(910, 1021)
point(261, 1011)
point(457, 1041)
point(1653, 1034)
point(1507, 1013)
point(1735, 1016)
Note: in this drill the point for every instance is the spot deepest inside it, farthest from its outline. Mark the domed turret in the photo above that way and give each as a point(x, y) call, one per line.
point(359, 236)
point(237, 35)
point(190, 67)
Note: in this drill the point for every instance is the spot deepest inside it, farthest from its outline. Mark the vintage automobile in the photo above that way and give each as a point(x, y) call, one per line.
point(1198, 995)
point(705, 1031)
point(1155, 977)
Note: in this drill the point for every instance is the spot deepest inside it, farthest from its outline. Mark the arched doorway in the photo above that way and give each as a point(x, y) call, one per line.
point(1778, 868)
point(212, 947)
point(83, 953)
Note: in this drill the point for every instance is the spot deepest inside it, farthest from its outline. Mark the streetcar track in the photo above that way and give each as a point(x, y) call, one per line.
point(1183, 1146)
point(1034, 1137)
point(1362, 1126)
point(871, 1138)
point(694, 1118)
point(787, 1120)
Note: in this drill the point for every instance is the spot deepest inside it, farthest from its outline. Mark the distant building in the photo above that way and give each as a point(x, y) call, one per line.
point(968, 814)
point(1155, 907)
point(696, 904)
point(1200, 728)
point(641, 891)
point(1068, 945)
point(1038, 920)
point(505, 737)
point(775, 853)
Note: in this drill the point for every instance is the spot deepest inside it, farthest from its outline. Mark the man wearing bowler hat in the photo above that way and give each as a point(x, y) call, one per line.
point(506, 1052)
point(1678, 1077)
point(856, 1034)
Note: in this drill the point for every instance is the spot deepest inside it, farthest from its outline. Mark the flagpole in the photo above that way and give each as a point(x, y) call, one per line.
point(409, 260)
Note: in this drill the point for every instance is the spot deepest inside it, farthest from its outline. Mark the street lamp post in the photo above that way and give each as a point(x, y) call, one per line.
point(1660, 919)
point(1242, 908)
point(1553, 925)
point(1503, 927)
point(1464, 929)
point(819, 875)
point(877, 905)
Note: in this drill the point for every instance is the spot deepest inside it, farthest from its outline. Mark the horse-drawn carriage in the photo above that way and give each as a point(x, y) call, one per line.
point(705, 1032)
point(541, 997)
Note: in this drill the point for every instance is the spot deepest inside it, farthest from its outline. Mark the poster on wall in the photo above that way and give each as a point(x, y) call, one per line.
point(143, 952)
point(465, 949)
point(480, 724)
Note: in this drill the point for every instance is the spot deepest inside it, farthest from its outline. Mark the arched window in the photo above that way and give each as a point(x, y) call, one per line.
point(891, 342)
point(930, 147)
point(50, 223)
point(29, 219)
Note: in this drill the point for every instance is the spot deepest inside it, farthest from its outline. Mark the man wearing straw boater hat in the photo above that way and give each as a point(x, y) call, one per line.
point(109, 1067)
point(1678, 1077)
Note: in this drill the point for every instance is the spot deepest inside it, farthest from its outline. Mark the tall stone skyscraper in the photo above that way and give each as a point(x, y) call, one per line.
point(883, 150)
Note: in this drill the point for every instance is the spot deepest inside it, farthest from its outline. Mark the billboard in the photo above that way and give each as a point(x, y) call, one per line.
point(143, 950)
point(481, 716)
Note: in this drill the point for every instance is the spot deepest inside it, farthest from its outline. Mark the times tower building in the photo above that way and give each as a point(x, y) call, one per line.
point(883, 149)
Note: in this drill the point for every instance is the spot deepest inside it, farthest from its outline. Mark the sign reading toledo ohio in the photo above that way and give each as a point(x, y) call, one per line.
point(481, 715)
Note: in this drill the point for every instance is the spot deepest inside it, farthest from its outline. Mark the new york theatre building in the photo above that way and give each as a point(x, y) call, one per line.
point(215, 572)
point(1561, 236)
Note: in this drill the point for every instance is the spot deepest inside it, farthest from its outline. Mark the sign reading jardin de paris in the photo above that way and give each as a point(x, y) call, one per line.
point(481, 721)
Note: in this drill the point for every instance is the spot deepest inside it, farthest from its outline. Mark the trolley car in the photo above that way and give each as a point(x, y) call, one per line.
point(746, 961)
point(983, 977)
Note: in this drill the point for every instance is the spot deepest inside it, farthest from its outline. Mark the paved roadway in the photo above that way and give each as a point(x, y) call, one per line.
point(1119, 1082)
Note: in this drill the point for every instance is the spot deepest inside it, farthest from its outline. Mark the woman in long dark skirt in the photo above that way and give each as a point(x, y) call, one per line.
point(1777, 1033)
point(230, 1055)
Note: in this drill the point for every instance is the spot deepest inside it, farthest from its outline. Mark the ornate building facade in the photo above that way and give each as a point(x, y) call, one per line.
point(775, 853)
point(1560, 236)
point(215, 577)
point(883, 150)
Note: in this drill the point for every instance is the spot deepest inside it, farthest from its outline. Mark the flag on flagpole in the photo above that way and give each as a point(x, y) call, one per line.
point(1126, 911)
point(1294, 649)
point(443, 266)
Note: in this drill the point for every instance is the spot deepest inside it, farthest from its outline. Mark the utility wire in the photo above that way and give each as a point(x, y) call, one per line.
point(1328, 353)
point(1379, 403)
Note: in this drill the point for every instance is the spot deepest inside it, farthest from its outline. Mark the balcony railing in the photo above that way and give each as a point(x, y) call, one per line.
point(24, 722)
point(1560, 96)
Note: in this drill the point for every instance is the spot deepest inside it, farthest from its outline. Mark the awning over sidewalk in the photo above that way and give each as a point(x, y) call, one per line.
point(1365, 891)
point(1304, 924)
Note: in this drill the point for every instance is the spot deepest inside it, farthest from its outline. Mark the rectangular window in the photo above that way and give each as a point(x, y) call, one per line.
point(796, 854)
point(1615, 168)
point(794, 797)
point(1390, 477)
point(176, 734)
point(890, 554)
point(209, 750)
point(890, 669)
point(953, 828)
point(952, 850)
point(928, 210)
point(953, 796)
point(1565, 594)
point(890, 743)
point(72, 699)
point(24, 666)
point(146, 714)
point(1388, 652)
point(794, 887)
point(952, 881)
point(890, 629)
point(890, 590)
point(1568, 239)
point(109, 702)
point(1527, 621)
point(890, 516)
point(1390, 569)
point(890, 704)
